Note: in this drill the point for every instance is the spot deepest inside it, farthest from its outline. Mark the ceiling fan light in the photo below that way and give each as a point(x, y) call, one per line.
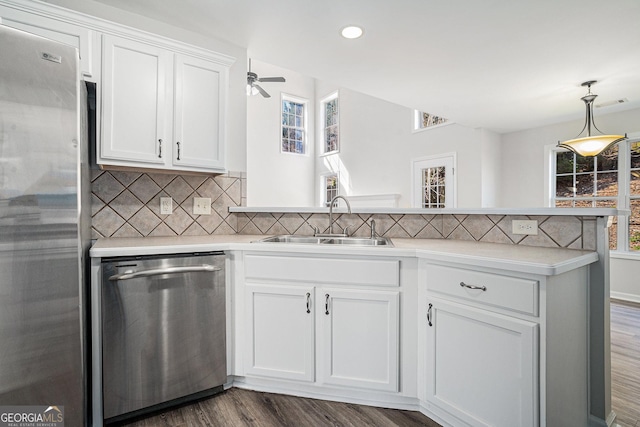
point(351, 32)
point(591, 145)
point(251, 90)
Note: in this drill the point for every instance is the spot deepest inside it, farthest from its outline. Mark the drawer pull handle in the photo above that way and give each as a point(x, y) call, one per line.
point(429, 315)
point(326, 304)
point(464, 285)
point(160, 148)
point(178, 144)
point(308, 303)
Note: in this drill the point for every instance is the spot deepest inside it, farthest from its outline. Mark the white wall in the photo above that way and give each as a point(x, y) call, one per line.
point(237, 106)
point(275, 178)
point(377, 145)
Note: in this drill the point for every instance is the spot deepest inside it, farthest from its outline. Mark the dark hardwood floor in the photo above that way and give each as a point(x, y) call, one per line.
point(239, 408)
point(625, 362)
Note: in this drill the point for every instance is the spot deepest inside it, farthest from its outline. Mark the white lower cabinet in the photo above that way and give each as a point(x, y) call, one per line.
point(307, 327)
point(481, 366)
point(503, 348)
point(358, 338)
point(280, 325)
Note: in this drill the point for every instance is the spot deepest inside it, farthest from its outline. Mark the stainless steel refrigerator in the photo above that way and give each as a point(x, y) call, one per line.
point(44, 226)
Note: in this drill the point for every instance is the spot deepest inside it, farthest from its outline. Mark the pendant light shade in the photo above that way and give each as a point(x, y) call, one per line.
point(590, 145)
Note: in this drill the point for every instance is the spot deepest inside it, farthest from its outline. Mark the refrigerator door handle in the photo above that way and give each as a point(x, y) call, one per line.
point(127, 275)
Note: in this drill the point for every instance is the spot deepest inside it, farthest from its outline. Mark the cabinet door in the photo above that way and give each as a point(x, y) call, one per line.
point(358, 338)
point(280, 332)
point(482, 367)
point(84, 39)
point(134, 127)
point(199, 122)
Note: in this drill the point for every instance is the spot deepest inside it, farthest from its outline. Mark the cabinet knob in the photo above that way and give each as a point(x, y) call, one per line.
point(326, 304)
point(308, 303)
point(160, 148)
point(178, 143)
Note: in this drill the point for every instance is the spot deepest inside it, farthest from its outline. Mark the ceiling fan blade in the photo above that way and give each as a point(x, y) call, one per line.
point(262, 91)
point(272, 79)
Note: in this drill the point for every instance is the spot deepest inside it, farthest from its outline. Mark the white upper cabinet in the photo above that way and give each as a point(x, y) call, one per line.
point(162, 104)
point(134, 98)
point(82, 38)
point(199, 113)
point(161, 109)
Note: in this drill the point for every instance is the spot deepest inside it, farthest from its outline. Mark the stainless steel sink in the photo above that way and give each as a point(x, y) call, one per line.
point(293, 239)
point(352, 241)
point(360, 241)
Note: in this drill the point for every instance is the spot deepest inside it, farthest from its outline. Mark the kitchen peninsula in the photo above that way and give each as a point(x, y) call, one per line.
point(467, 332)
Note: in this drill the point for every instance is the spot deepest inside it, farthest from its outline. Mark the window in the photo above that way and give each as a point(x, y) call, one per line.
point(433, 182)
point(609, 180)
point(330, 187)
point(585, 182)
point(433, 188)
point(294, 125)
point(634, 196)
point(330, 124)
point(422, 120)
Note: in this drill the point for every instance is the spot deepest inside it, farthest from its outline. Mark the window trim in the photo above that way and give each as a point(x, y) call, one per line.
point(416, 193)
point(326, 99)
point(305, 142)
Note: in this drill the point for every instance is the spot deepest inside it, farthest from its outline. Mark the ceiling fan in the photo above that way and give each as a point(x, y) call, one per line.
point(253, 88)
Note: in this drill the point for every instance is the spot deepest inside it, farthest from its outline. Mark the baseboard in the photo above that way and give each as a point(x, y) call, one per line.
point(378, 399)
point(625, 296)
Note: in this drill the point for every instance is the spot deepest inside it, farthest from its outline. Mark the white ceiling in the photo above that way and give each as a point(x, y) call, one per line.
point(503, 65)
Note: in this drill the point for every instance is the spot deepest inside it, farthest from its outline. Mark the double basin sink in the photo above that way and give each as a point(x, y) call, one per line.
point(320, 240)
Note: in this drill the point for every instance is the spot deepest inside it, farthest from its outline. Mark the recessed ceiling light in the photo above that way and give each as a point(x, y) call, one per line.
point(351, 32)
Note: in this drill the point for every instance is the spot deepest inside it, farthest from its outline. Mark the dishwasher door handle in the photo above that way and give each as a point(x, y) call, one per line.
point(159, 271)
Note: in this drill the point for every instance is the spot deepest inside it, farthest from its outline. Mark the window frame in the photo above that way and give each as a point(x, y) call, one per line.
point(323, 118)
point(305, 128)
point(449, 161)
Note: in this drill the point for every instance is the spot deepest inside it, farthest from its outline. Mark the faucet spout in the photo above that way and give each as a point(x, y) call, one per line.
point(331, 204)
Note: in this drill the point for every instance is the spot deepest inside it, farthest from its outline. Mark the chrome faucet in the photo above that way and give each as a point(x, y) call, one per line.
point(331, 203)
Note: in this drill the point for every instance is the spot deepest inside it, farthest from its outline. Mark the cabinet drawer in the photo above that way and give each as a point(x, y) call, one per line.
point(500, 291)
point(379, 272)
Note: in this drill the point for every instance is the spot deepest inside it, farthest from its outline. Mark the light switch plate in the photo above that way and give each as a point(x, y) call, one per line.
point(166, 205)
point(529, 226)
point(202, 206)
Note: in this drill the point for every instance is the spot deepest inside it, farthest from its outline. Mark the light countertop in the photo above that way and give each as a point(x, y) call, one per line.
point(525, 259)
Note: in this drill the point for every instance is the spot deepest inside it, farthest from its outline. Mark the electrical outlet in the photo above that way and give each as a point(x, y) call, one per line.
point(529, 227)
point(166, 205)
point(202, 206)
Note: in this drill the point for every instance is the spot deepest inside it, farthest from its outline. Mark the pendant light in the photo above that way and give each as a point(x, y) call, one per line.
point(590, 145)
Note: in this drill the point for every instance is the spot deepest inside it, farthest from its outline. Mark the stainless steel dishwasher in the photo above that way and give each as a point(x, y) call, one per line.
point(163, 331)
